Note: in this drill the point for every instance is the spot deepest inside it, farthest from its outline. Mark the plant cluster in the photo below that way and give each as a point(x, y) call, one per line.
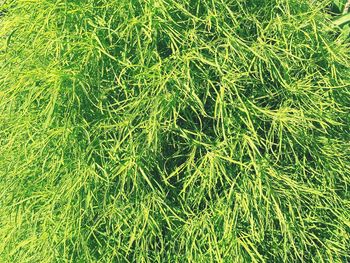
point(173, 131)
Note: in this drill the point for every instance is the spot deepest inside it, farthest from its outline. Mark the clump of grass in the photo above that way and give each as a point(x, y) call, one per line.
point(173, 131)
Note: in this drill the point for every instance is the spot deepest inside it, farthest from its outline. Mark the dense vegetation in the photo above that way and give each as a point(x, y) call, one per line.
point(173, 131)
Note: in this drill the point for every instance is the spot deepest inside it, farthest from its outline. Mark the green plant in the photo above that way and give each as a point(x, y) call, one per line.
point(173, 131)
point(344, 19)
point(341, 11)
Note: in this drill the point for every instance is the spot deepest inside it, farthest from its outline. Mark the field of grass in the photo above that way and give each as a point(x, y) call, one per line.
point(174, 131)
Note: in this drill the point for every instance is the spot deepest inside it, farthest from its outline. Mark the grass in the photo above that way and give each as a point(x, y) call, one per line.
point(173, 131)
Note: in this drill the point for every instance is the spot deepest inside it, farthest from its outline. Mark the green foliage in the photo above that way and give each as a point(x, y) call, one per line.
point(340, 9)
point(339, 5)
point(342, 20)
point(173, 131)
